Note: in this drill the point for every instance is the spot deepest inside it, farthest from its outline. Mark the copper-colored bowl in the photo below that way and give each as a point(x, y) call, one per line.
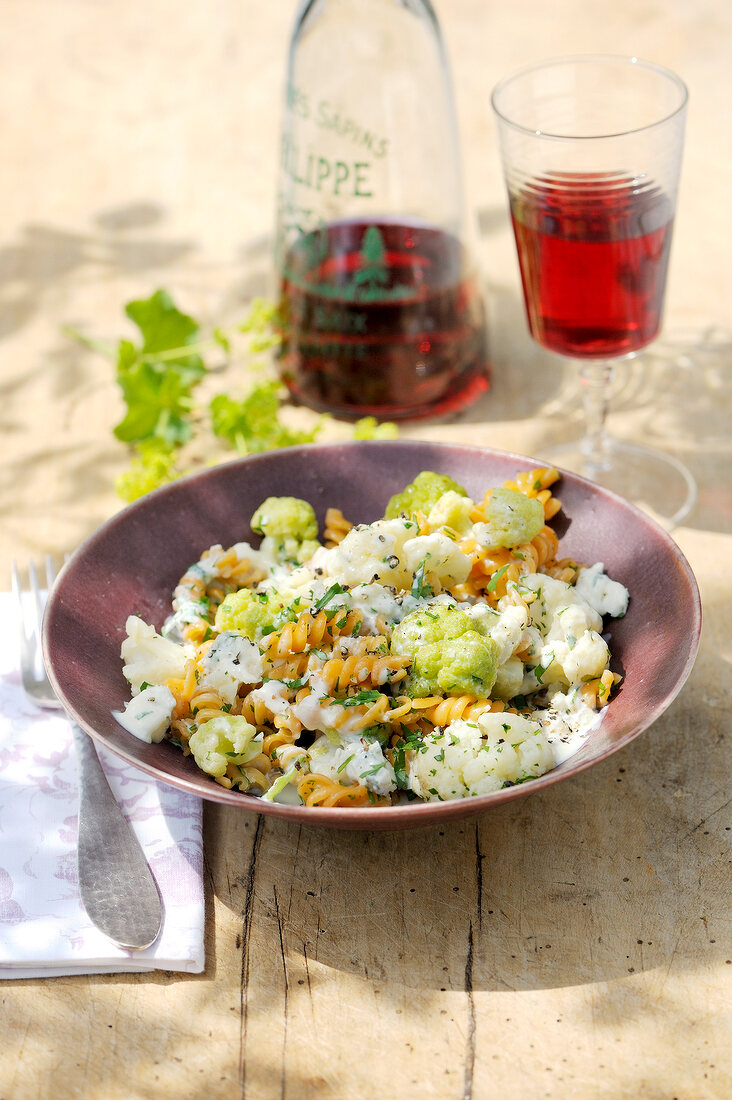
point(131, 564)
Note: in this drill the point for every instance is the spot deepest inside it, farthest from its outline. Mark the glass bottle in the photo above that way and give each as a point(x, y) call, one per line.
point(380, 305)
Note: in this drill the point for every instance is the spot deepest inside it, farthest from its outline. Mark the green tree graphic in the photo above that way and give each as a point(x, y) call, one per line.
point(372, 275)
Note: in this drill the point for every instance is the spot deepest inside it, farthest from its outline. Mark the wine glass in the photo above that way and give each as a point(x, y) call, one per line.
point(591, 150)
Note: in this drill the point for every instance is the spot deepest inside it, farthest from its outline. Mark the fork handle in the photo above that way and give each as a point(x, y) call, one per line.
point(116, 885)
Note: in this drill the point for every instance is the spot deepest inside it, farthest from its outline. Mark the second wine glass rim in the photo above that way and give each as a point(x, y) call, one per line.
point(581, 59)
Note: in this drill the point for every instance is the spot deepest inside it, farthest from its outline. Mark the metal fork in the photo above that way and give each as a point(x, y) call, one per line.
point(116, 885)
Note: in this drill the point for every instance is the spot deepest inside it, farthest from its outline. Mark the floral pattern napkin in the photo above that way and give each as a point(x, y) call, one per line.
point(44, 929)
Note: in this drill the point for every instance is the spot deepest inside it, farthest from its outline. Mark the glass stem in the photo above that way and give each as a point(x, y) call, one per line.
point(596, 376)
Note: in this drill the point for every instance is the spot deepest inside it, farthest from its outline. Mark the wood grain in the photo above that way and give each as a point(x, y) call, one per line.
point(572, 944)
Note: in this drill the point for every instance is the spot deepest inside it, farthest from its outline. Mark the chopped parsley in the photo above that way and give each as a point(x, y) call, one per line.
point(334, 590)
point(491, 586)
point(539, 670)
point(376, 768)
point(361, 697)
point(420, 588)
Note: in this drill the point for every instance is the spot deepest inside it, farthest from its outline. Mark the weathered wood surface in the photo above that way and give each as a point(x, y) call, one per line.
point(574, 943)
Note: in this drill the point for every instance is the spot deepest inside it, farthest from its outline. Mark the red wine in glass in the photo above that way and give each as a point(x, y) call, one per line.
point(381, 319)
point(593, 255)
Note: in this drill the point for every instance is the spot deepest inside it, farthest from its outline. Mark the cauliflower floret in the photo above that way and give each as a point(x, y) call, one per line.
point(316, 712)
point(149, 658)
point(473, 758)
point(570, 622)
point(258, 558)
point(371, 553)
point(356, 760)
point(606, 596)
point(566, 721)
point(147, 715)
point(422, 494)
point(552, 597)
point(273, 694)
point(587, 659)
point(436, 553)
point(505, 627)
point(231, 661)
point(531, 644)
point(226, 739)
point(559, 663)
point(511, 519)
point(448, 656)
point(509, 679)
point(375, 601)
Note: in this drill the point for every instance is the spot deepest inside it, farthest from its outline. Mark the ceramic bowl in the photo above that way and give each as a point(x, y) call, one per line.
point(131, 564)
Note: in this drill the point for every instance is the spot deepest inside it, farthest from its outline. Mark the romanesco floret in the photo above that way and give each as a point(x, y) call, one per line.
point(448, 656)
point(251, 613)
point(421, 494)
point(286, 549)
point(432, 623)
point(285, 517)
point(289, 527)
point(452, 510)
point(511, 519)
point(226, 739)
point(473, 758)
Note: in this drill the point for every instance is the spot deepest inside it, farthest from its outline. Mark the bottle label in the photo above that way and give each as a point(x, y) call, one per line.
point(330, 163)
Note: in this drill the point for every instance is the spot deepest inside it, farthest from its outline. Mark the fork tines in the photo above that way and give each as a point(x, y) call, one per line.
point(30, 623)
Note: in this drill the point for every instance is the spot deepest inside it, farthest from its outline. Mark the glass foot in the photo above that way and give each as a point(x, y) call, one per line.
point(657, 483)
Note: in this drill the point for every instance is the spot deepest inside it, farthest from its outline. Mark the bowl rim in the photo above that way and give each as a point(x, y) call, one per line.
point(415, 812)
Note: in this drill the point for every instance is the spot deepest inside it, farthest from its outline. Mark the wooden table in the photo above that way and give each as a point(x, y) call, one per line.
point(572, 944)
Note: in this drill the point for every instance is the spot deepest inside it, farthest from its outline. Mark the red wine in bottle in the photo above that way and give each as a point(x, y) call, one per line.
point(382, 319)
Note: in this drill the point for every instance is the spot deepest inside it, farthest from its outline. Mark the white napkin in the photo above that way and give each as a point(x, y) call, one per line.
point(44, 929)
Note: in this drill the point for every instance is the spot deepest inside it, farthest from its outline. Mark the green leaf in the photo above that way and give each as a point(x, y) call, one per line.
point(158, 377)
point(162, 325)
point(253, 424)
point(158, 403)
point(153, 465)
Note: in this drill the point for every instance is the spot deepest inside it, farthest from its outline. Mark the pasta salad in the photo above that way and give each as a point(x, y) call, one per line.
point(440, 652)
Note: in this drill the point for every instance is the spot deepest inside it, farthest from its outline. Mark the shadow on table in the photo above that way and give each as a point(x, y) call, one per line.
point(608, 875)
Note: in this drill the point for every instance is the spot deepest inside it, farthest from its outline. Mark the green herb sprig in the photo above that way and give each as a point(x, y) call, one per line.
point(159, 372)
